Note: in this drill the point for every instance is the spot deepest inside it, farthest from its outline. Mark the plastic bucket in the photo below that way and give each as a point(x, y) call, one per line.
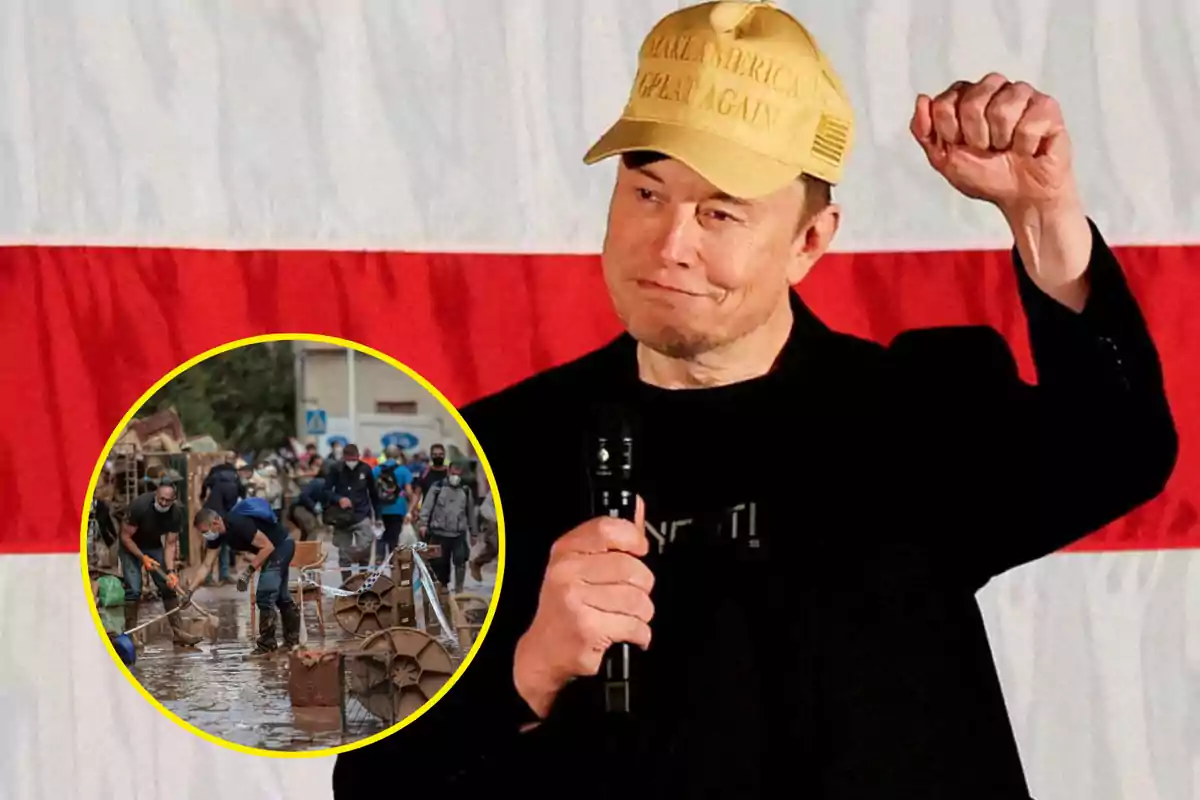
point(123, 644)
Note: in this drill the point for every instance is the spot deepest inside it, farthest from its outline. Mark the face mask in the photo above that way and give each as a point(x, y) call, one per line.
point(161, 508)
point(211, 536)
point(455, 480)
point(438, 460)
point(337, 454)
point(351, 464)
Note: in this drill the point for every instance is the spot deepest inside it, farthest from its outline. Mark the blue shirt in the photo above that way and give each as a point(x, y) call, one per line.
point(403, 477)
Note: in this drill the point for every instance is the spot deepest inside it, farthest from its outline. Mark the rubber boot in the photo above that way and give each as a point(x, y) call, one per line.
point(460, 578)
point(131, 621)
point(266, 644)
point(291, 626)
point(179, 634)
point(477, 570)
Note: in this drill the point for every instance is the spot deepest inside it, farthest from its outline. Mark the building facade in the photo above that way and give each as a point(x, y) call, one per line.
point(384, 399)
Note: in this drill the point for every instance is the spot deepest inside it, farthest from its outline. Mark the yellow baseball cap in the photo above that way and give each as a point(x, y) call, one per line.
point(739, 92)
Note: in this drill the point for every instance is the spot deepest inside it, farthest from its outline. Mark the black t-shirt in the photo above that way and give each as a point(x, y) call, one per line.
point(431, 476)
point(711, 532)
point(815, 618)
point(224, 488)
point(241, 529)
point(152, 524)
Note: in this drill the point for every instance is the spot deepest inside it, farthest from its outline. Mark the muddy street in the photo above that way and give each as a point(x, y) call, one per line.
point(216, 688)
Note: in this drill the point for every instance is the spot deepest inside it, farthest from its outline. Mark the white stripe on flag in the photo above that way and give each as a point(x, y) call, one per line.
point(460, 126)
point(74, 727)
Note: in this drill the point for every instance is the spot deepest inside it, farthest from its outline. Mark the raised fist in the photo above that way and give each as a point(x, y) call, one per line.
point(998, 141)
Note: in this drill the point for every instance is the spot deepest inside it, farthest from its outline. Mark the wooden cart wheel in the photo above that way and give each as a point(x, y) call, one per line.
point(375, 609)
point(419, 668)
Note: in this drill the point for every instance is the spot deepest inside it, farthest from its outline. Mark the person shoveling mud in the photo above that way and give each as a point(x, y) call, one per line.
point(251, 526)
point(153, 517)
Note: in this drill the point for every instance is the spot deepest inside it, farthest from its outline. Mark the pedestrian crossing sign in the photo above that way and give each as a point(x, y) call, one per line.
point(316, 421)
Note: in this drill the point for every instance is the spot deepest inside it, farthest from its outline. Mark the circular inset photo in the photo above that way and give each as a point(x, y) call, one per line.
point(292, 545)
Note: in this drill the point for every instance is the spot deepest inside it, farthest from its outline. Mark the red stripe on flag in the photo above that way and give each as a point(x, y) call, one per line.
point(88, 330)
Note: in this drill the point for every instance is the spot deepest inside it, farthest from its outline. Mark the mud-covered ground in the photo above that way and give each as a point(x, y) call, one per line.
point(216, 688)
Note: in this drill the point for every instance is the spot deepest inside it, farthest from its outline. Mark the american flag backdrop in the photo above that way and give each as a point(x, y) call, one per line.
point(177, 175)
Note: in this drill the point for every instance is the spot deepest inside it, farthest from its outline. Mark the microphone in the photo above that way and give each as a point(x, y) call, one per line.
point(613, 496)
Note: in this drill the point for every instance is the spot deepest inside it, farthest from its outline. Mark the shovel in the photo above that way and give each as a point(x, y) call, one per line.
point(188, 602)
point(148, 623)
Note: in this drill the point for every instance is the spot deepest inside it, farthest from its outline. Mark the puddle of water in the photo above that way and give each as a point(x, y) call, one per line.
point(246, 701)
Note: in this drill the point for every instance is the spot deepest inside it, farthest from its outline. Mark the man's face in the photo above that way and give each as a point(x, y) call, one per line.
point(437, 454)
point(212, 529)
point(690, 269)
point(164, 498)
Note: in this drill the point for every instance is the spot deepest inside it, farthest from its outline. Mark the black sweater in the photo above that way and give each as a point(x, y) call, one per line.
point(816, 631)
point(222, 488)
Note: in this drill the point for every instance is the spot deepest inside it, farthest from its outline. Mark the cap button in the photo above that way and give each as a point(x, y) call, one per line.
point(727, 17)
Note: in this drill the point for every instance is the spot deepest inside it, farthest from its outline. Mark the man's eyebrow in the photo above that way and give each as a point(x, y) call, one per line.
point(649, 173)
point(728, 198)
point(721, 197)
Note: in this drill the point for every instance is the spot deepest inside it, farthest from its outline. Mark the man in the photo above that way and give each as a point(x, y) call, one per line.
point(332, 463)
point(272, 486)
point(251, 527)
point(436, 471)
point(448, 520)
point(149, 537)
point(418, 464)
point(306, 509)
point(393, 483)
point(352, 487)
point(369, 458)
point(910, 474)
point(221, 490)
point(102, 532)
point(252, 484)
point(312, 466)
point(100, 518)
point(489, 534)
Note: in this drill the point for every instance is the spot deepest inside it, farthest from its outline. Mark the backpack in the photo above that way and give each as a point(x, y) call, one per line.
point(386, 486)
point(256, 508)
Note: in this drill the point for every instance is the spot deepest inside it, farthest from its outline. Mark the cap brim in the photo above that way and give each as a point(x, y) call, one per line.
point(733, 169)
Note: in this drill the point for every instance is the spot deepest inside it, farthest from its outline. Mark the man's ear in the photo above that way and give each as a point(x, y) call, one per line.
point(813, 239)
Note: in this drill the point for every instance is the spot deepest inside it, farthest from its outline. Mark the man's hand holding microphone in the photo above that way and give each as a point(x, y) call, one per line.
point(595, 593)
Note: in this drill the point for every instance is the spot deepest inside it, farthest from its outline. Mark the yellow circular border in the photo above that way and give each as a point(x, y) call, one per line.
point(132, 413)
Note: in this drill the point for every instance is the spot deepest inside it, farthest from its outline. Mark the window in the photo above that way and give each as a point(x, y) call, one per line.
point(396, 407)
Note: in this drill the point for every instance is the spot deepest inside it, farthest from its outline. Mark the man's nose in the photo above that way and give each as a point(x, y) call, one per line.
point(680, 237)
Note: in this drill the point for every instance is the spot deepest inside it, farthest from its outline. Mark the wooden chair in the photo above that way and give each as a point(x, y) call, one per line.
point(309, 555)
